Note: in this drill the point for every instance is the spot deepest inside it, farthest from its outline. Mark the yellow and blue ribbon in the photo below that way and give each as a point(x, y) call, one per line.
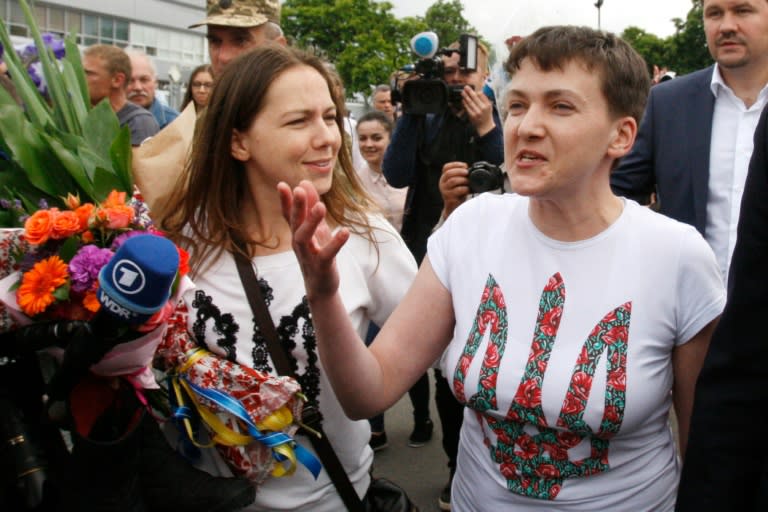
point(285, 450)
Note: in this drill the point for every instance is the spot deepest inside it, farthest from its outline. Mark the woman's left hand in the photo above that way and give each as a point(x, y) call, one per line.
point(314, 244)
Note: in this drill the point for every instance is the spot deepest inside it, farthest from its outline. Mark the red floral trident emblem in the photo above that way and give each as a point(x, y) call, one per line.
point(536, 465)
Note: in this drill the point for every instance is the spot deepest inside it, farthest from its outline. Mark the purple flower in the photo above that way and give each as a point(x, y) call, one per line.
point(29, 53)
point(36, 78)
point(85, 266)
point(119, 240)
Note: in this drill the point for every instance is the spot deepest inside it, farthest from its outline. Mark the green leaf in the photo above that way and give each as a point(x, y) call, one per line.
point(72, 59)
point(30, 150)
point(72, 83)
point(7, 219)
point(61, 294)
point(100, 128)
point(105, 182)
point(15, 182)
point(121, 152)
point(79, 183)
point(69, 248)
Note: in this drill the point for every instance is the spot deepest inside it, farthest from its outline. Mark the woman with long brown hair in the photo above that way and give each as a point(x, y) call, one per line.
point(199, 87)
point(274, 117)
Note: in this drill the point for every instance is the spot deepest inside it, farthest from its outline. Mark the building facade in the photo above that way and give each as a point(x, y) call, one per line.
point(159, 27)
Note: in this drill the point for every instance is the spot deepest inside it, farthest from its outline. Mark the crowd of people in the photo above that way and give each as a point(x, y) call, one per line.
point(566, 324)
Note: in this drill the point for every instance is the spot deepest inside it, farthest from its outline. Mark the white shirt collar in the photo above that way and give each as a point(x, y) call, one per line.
point(717, 82)
point(718, 85)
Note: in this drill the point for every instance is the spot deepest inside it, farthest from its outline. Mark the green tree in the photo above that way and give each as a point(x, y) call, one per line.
point(688, 46)
point(655, 50)
point(362, 38)
point(683, 52)
point(446, 19)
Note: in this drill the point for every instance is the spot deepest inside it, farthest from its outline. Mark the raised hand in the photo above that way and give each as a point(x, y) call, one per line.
point(314, 244)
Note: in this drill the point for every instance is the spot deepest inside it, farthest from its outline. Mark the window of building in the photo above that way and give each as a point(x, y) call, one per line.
point(73, 24)
point(17, 25)
point(122, 30)
point(106, 29)
point(90, 30)
point(56, 20)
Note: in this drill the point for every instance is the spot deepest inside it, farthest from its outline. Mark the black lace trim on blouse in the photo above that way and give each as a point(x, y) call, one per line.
point(290, 328)
point(223, 324)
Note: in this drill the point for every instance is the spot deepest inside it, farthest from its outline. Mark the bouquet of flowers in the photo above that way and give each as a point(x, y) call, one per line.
point(58, 278)
point(58, 274)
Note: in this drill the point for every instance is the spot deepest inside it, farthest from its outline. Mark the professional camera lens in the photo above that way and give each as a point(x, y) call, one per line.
point(485, 177)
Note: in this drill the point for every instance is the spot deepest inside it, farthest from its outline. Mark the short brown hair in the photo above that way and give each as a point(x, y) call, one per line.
point(115, 59)
point(623, 72)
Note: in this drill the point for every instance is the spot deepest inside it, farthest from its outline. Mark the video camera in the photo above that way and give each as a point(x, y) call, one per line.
point(429, 93)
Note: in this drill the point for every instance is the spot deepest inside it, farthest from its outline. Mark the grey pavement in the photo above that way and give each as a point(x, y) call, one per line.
point(422, 472)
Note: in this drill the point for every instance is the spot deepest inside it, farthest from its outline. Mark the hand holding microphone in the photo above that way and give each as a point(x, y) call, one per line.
point(133, 286)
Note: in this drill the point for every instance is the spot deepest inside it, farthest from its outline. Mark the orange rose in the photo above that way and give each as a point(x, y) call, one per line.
point(83, 213)
point(116, 217)
point(38, 227)
point(65, 224)
point(114, 198)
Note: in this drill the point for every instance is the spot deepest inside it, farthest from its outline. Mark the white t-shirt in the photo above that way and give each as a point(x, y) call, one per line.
point(601, 317)
point(370, 288)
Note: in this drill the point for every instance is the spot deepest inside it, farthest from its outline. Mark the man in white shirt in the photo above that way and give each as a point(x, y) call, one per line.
point(695, 140)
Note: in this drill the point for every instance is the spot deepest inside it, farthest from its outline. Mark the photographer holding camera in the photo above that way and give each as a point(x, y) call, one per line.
point(466, 131)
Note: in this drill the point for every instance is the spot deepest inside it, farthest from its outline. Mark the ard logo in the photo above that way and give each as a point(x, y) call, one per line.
point(128, 277)
point(532, 455)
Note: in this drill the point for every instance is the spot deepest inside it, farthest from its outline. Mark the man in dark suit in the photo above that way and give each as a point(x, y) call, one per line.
point(726, 464)
point(695, 138)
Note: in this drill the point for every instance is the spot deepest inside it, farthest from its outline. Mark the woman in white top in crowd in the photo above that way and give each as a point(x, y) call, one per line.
point(274, 117)
point(374, 131)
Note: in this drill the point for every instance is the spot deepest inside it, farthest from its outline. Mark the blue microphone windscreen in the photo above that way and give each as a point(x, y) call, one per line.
point(424, 44)
point(137, 281)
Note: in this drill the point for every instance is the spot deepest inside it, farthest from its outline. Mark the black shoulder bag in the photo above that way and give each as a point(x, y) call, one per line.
point(383, 495)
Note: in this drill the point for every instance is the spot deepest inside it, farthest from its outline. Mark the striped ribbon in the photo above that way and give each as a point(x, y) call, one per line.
point(285, 450)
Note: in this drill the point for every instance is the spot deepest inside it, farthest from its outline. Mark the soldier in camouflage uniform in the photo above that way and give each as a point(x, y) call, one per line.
point(235, 26)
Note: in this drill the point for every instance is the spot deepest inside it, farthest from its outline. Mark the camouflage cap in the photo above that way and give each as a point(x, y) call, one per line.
point(241, 13)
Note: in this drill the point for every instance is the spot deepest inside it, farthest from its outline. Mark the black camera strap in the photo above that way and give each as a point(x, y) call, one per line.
point(311, 418)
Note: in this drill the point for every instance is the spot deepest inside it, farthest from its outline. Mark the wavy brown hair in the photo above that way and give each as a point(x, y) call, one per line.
point(208, 200)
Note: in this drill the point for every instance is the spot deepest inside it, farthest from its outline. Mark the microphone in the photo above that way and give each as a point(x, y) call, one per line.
point(424, 44)
point(137, 281)
point(134, 285)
